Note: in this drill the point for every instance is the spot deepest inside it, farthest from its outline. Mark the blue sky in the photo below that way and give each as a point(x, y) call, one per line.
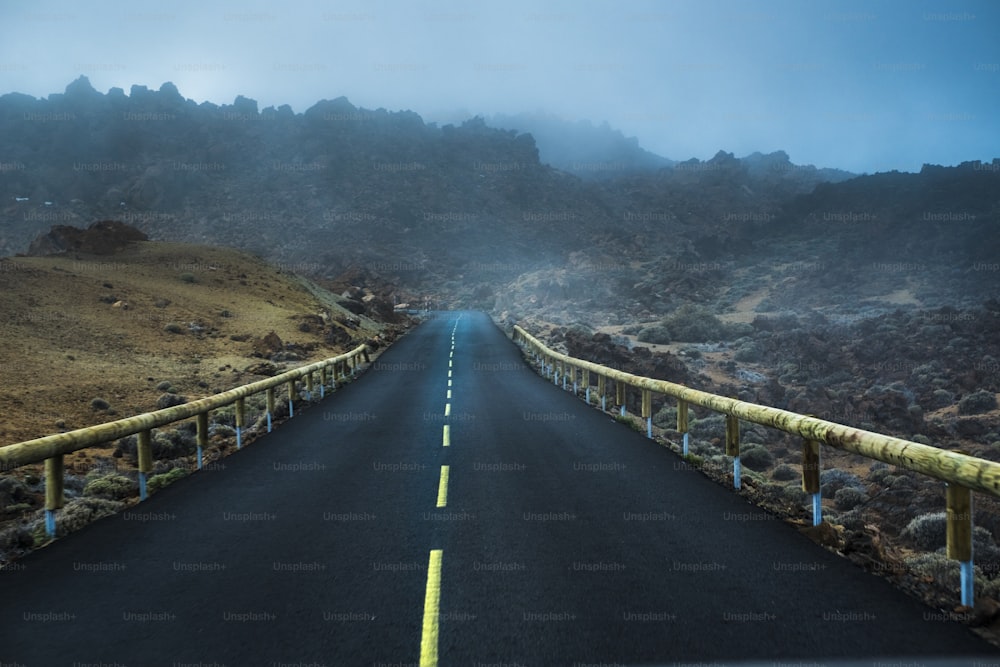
point(868, 85)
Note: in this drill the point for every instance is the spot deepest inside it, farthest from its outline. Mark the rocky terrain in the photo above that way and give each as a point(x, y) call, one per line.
point(101, 325)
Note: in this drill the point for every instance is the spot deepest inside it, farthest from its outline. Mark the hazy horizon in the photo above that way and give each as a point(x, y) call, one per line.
point(860, 86)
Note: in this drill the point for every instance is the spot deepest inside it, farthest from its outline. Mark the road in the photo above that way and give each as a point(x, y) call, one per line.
point(556, 537)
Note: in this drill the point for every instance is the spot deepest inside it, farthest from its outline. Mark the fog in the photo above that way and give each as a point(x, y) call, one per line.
point(863, 86)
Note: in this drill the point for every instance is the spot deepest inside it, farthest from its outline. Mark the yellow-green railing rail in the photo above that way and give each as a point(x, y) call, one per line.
point(52, 448)
point(962, 473)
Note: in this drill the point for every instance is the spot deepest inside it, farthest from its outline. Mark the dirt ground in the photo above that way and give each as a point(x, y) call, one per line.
point(84, 327)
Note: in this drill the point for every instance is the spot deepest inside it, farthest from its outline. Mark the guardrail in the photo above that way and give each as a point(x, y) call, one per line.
point(963, 473)
point(52, 448)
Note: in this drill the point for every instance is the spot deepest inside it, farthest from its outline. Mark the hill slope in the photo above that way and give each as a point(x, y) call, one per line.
point(79, 327)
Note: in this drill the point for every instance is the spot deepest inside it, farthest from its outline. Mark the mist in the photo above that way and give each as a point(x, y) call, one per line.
point(858, 86)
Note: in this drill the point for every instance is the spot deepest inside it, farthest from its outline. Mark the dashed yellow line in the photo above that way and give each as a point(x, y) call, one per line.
point(443, 487)
point(446, 436)
point(449, 394)
point(447, 409)
point(432, 606)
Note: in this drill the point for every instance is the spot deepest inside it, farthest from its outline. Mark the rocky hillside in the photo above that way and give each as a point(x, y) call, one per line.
point(457, 211)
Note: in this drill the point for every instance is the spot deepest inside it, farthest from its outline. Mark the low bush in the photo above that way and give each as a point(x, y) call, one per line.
point(756, 457)
point(784, 473)
point(849, 497)
point(977, 403)
point(834, 479)
point(157, 482)
point(110, 487)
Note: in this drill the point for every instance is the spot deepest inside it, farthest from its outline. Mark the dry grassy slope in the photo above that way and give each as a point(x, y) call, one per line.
point(63, 346)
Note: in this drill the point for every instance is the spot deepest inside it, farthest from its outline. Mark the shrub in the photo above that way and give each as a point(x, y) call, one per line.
point(173, 328)
point(756, 457)
point(784, 473)
point(942, 398)
point(188, 277)
point(157, 482)
point(656, 334)
point(127, 447)
point(632, 423)
point(795, 494)
point(222, 431)
point(14, 540)
point(849, 497)
point(929, 532)
point(165, 386)
point(81, 511)
point(169, 401)
point(749, 352)
point(99, 404)
point(694, 324)
point(977, 403)
point(666, 417)
point(713, 425)
point(173, 444)
point(110, 487)
point(834, 479)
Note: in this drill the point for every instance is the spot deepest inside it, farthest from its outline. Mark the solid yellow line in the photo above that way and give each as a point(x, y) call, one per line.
point(432, 602)
point(447, 409)
point(443, 487)
point(446, 437)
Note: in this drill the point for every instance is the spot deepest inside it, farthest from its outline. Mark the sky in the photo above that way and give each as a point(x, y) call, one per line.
point(862, 85)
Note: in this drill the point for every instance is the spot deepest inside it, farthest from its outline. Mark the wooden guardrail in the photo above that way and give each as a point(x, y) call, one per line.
point(52, 448)
point(962, 473)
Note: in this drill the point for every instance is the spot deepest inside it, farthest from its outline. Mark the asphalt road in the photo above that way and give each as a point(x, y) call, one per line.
point(558, 537)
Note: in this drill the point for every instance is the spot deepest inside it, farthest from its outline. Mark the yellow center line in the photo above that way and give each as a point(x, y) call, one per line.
point(449, 363)
point(449, 373)
point(449, 383)
point(449, 394)
point(446, 436)
point(432, 602)
point(447, 409)
point(443, 487)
